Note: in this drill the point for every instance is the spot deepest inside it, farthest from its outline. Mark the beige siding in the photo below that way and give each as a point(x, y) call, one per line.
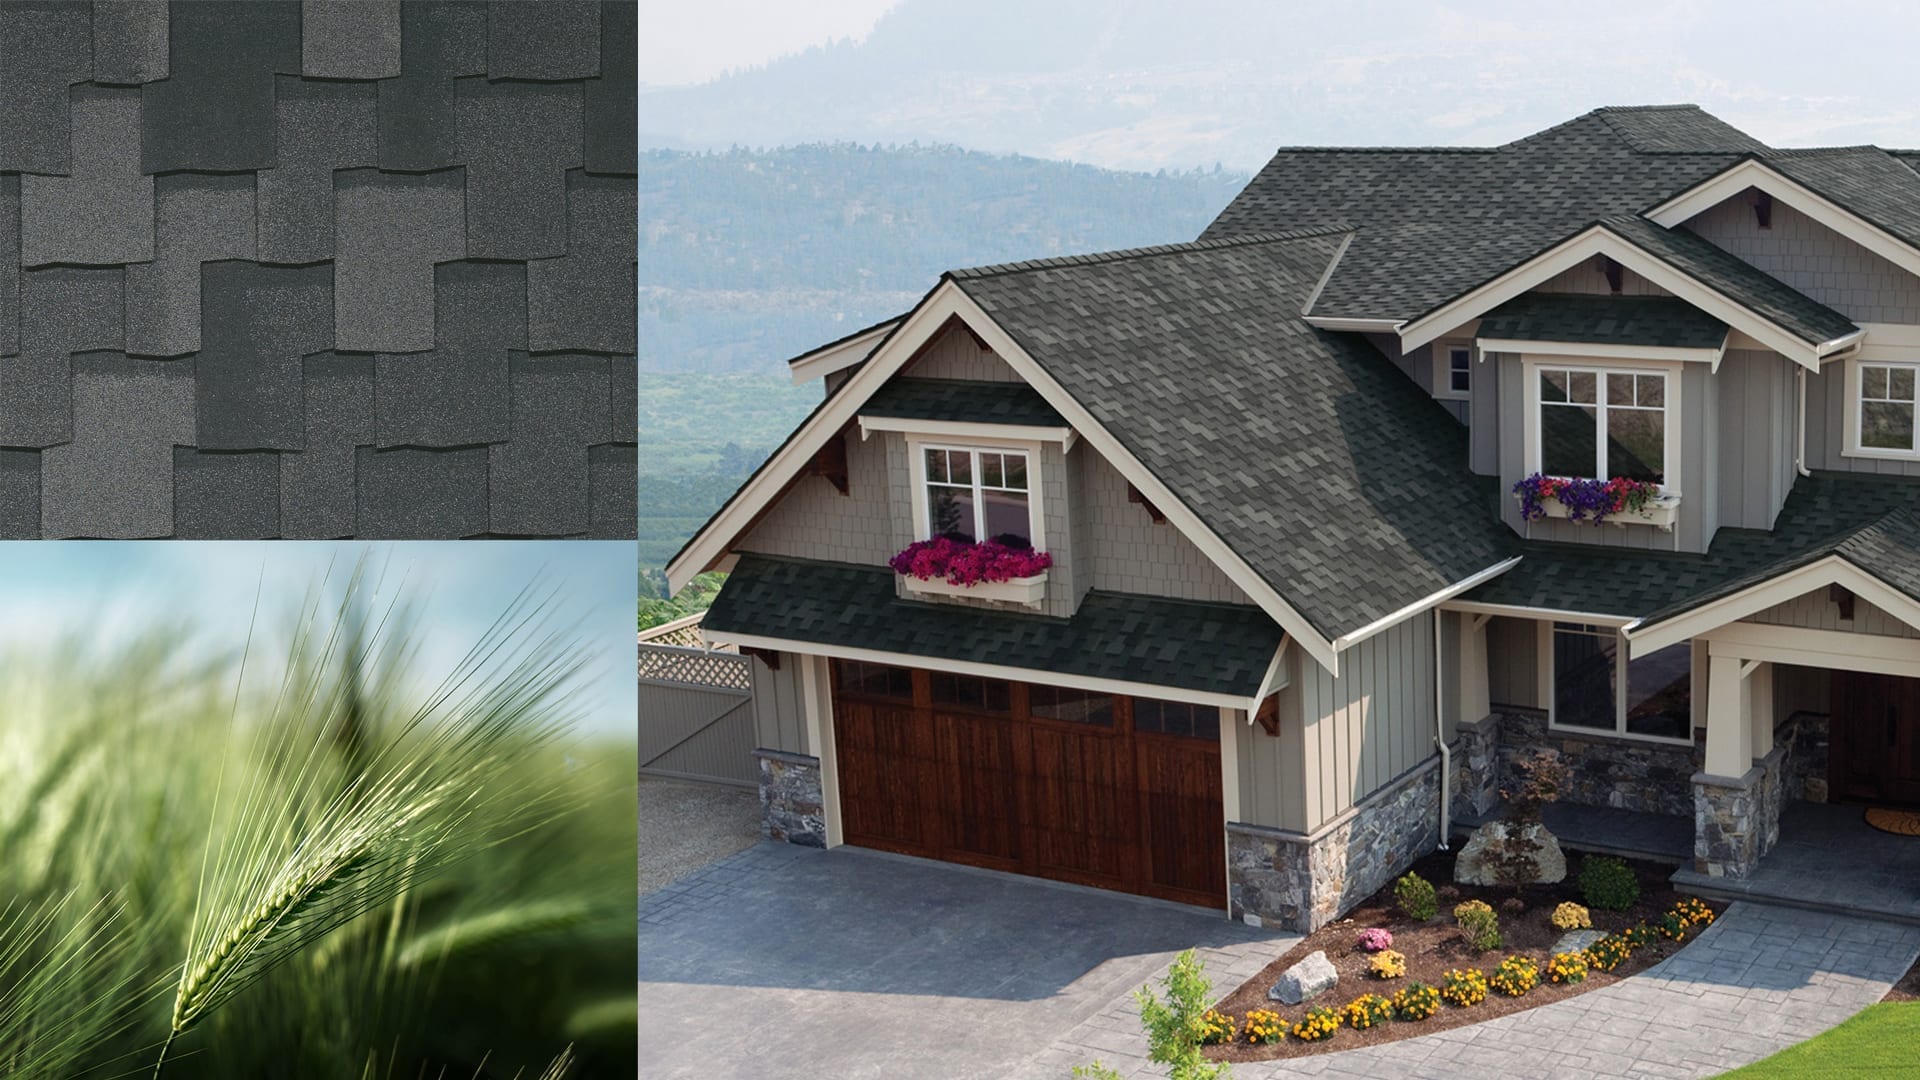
point(814, 521)
point(697, 732)
point(1754, 437)
point(1271, 769)
point(1815, 611)
point(1815, 260)
point(954, 355)
point(779, 714)
point(1129, 553)
point(1370, 724)
point(1589, 278)
point(1800, 689)
point(1513, 662)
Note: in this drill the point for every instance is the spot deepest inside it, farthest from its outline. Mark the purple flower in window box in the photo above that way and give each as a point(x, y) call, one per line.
point(962, 563)
point(1374, 939)
point(1584, 500)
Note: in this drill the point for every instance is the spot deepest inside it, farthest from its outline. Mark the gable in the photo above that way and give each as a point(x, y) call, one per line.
point(1819, 609)
point(1813, 258)
point(955, 353)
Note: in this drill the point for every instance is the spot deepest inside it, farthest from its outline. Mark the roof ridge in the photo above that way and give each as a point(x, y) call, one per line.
point(1123, 254)
point(1387, 150)
point(1817, 151)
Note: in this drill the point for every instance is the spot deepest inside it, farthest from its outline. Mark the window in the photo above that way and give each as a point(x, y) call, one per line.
point(1580, 405)
point(977, 495)
point(1651, 697)
point(1079, 706)
point(1176, 718)
point(969, 692)
point(857, 677)
point(1887, 407)
point(1455, 377)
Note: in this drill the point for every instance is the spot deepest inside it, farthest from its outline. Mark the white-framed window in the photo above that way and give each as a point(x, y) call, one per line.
point(1598, 423)
point(1885, 407)
point(1452, 370)
point(1589, 689)
point(973, 493)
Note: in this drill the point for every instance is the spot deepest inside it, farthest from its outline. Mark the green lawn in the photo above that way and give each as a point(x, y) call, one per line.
point(1878, 1042)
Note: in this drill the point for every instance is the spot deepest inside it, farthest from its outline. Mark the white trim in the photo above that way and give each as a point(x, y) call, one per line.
point(1326, 276)
point(1853, 403)
point(1755, 174)
point(1620, 661)
point(1711, 357)
point(1751, 642)
point(1030, 590)
point(816, 698)
point(1274, 680)
point(990, 671)
point(1442, 370)
point(1525, 612)
point(1590, 243)
point(917, 478)
point(971, 431)
point(1710, 617)
point(832, 358)
point(1357, 326)
point(1346, 641)
point(1530, 402)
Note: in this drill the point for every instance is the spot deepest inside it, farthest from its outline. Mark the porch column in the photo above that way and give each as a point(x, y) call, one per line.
point(1729, 735)
point(1474, 699)
point(1759, 709)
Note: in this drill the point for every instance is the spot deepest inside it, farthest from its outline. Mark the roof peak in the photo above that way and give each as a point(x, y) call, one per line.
point(1123, 254)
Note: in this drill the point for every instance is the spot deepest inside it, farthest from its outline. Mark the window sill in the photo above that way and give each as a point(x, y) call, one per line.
point(1024, 590)
point(1660, 512)
point(1877, 454)
point(1616, 735)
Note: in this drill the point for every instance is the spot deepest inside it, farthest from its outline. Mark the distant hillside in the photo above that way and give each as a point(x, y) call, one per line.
point(748, 257)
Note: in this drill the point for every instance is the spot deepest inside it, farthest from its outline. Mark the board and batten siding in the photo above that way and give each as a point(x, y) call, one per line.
point(1755, 437)
point(1271, 768)
point(779, 711)
point(1373, 722)
point(812, 520)
point(1817, 611)
point(1513, 662)
point(1814, 259)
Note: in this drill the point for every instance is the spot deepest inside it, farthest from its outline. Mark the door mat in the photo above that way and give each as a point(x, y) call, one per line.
point(1898, 822)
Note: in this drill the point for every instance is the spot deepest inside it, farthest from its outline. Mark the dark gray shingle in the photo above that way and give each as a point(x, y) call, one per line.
point(63, 310)
point(614, 478)
point(519, 140)
point(392, 229)
point(613, 98)
point(115, 479)
point(411, 494)
point(584, 300)
point(215, 110)
point(260, 321)
point(320, 127)
point(440, 40)
point(197, 218)
point(457, 394)
point(1664, 321)
point(103, 213)
point(539, 481)
point(225, 496)
point(45, 47)
point(129, 41)
point(317, 497)
point(967, 400)
point(1793, 311)
point(350, 39)
point(543, 41)
point(19, 495)
point(9, 264)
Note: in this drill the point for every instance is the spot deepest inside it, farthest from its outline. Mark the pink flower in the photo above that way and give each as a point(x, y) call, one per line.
point(1374, 940)
point(967, 564)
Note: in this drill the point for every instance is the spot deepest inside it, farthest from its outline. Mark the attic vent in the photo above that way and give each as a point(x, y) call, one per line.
point(1763, 209)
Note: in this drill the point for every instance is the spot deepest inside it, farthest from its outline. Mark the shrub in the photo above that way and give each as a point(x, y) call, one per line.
point(1609, 952)
point(1571, 916)
point(1264, 1026)
point(1215, 1028)
point(1387, 964)
point(1368, 1010)
point(1608, 883)
point(1567, 967)
point(1319, 1023)
point(1515, 976)
point(1415, 896)
point(1464, 986)
point(1541, 776)
point(1374, 940)
point(1176, 1025)
point(1478, 924)
point(1513, 905)
point(1417, 1001)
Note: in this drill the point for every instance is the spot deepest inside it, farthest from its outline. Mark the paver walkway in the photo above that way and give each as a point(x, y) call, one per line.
point(1758, 980)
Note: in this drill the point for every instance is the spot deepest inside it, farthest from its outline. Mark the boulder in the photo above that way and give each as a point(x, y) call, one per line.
point(1578, 940)
point(1305, 980)
point(1502, 853)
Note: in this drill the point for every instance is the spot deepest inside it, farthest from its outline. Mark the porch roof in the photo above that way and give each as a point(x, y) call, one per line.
point(969, 400)
point(1871, 521)
point(1664, 321)
point(1182, 644)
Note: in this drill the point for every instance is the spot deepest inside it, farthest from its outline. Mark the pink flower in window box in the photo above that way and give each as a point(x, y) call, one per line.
point(961, 563)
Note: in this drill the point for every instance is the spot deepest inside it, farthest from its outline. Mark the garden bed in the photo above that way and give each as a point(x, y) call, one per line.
point(1436, 946)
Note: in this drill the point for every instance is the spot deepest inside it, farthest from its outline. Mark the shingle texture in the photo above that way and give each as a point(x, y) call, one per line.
point(1664, 321)
point(966, 400)
point(1219, 648)
point(317, 268)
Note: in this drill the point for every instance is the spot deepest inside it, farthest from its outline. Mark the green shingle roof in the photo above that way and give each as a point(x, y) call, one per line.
point(1181, 644)
point(971, 400)
point(1665, 321)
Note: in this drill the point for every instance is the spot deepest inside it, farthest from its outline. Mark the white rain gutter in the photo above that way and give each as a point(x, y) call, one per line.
point(1440, 729)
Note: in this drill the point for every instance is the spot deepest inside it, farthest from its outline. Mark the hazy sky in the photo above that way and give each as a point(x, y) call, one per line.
point(691, 41)
point(111, 589)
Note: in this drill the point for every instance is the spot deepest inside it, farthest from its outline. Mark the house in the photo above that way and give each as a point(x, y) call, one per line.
point(1315, 579)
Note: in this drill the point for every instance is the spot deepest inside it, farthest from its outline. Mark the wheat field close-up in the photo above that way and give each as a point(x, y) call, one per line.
point(346, 840)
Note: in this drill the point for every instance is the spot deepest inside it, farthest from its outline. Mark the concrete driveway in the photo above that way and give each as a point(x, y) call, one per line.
point(782, 961)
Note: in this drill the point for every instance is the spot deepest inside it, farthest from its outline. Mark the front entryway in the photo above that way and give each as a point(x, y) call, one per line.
point(1097, 789)
point(1875, 739)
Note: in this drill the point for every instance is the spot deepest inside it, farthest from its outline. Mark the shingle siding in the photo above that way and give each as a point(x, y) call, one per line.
point(1815, 260)
point(1129, 553)
point(1817, 611)
point(954, 355)
point(814, 521)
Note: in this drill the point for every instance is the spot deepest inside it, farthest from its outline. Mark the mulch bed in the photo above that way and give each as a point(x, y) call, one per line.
point(1908, 988)
point(1434, 947)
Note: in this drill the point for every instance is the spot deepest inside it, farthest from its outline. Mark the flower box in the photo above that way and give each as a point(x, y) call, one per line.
point(1660, 512)
point(1021, 590)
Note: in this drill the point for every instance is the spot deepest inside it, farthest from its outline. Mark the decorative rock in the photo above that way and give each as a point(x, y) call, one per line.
point(1305, 980)
point(1530, 851)
point(1577, 940)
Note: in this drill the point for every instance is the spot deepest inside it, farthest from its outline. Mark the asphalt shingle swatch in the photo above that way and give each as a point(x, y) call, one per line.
point(317, 269)
point(1220, 648)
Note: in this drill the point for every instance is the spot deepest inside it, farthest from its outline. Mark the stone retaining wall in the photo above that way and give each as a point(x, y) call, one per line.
point(790, 798)
point(1627, 774)
point(1301, 881)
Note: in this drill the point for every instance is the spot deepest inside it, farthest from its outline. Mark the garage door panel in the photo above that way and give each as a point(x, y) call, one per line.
point(1081, 822)
point(1185, 854)
point(982, 776)
point(886, 772)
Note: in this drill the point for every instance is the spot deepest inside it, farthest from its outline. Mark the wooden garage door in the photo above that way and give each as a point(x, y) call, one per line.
point(1115, 792)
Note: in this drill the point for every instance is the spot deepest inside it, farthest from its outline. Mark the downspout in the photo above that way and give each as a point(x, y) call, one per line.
point(1440, 729)
point(1800, 421)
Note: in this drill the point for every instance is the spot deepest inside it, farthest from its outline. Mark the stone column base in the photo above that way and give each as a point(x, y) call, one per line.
point(1303, 881)
point(1736, 820)
point(1476, 767)
point(791, 804)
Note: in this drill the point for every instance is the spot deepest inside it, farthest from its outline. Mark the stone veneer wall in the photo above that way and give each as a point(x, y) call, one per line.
point(1301, 882)
point(1805, 736)
point(1736, 821)
point(1474, 787)
point(1627, 774)
point(791, 803)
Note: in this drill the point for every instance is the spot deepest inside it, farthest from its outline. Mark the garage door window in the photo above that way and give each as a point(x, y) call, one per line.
point(967, 692)
point(1079, 706)
point(872, 680)
point(1176, 718)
